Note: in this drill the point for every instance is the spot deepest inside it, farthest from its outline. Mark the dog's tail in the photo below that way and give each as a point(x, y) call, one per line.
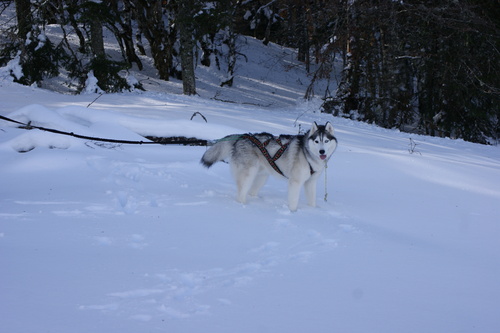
point(219, 151)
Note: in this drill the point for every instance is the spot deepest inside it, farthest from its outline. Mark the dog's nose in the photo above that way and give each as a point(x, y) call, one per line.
point(322, 152)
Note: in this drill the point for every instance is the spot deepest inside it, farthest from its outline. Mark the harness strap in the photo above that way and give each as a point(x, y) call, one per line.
point(262, 146)
point(272, 159)
point(311, 170)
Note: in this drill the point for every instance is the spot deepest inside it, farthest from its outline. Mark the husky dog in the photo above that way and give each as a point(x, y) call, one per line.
point(253, 157)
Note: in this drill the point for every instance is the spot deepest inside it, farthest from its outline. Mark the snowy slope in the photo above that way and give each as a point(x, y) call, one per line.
point(115, 238)
point(118, 238)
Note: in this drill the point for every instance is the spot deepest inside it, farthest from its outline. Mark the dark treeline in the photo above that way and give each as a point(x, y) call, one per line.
point(425, 66)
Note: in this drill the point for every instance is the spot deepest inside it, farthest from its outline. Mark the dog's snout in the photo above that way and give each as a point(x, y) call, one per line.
point(322, 151)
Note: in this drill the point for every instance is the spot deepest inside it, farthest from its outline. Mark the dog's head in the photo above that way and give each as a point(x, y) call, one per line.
point(321, 141)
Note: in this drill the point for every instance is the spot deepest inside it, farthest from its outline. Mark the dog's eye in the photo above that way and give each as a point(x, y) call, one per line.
point(326, 141)
point(316, 141)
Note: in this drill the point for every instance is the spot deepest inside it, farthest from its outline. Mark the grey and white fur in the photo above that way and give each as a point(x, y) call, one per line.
point(301, 161)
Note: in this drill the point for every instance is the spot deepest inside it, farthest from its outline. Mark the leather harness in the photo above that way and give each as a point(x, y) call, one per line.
point(271, 159)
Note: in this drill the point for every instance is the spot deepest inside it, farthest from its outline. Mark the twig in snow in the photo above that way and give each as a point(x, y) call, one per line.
point(194, 114)
point(94, 100)
point(412, 146)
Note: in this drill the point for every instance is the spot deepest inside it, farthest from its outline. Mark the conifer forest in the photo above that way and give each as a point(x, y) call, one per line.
point(422, 66)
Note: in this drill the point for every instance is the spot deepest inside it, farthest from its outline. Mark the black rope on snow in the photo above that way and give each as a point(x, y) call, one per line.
point(161, 141)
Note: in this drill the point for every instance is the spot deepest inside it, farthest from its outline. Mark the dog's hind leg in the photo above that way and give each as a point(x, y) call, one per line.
point(245, 178)
point(293, 194)
point(259, 181)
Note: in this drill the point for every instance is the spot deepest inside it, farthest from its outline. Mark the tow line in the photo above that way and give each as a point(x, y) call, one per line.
point(154, 140)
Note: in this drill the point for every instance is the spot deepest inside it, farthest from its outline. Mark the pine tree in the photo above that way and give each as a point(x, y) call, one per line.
point(105, 70)
point(155, 20)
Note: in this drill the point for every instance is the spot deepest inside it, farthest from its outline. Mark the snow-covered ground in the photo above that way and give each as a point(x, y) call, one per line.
point(99, 237)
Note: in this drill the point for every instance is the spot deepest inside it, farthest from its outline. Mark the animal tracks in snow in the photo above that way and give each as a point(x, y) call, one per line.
point(127, 183)
point(142, 196)
point(134, 241)
point(179, 294)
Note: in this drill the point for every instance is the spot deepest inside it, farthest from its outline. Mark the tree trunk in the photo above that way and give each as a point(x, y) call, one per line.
point(96, 38)
point(24, 17)
point(186, 31)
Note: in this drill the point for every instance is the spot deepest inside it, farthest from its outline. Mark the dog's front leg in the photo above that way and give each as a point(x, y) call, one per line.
point(293, 194)
point(310, 191)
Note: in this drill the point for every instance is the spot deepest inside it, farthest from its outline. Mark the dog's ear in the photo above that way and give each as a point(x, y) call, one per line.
point(329, 127)
point(314, 128)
